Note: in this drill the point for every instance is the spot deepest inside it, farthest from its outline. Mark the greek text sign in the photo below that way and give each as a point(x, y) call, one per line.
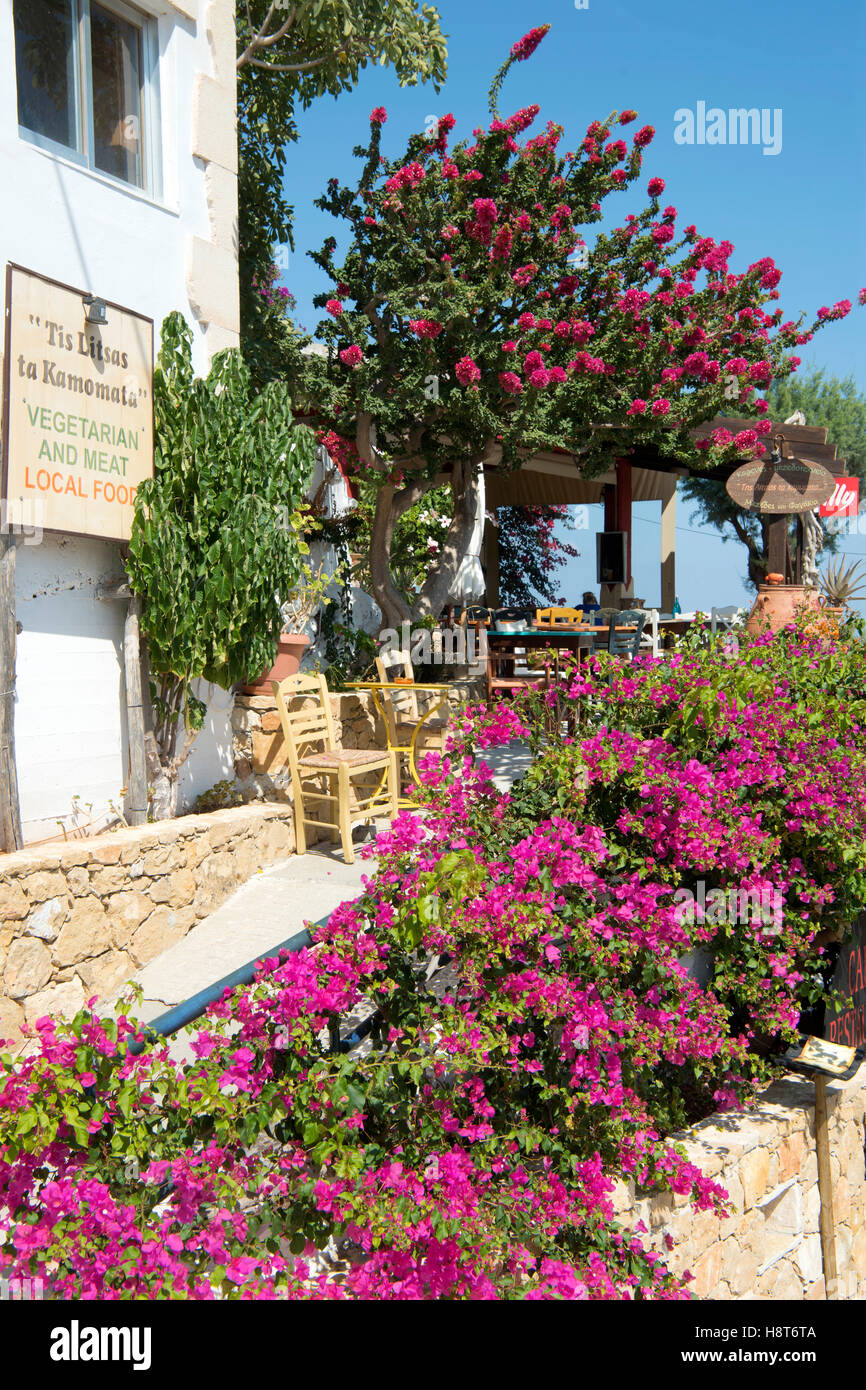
point(777, 488)
point(78, 427)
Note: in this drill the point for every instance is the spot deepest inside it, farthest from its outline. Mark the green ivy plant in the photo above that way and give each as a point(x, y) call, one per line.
point(218, 540)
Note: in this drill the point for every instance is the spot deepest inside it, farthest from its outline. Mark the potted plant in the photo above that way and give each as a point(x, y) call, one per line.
point(297, 612)
point(839, 584)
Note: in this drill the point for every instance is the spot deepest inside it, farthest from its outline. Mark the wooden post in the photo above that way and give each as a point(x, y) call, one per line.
point(10, 814)
point(623, 510)
point(137, 793)
point(608, 494)
point(668, 552)
point(825, 1187)
point(777, 546)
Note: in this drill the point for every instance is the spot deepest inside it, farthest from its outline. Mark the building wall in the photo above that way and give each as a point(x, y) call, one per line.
point(151, 256)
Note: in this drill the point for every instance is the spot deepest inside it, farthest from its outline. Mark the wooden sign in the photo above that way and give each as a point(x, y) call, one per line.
point(849, 978)
point(815, 1054)
point(78, 408)
point(780, 487)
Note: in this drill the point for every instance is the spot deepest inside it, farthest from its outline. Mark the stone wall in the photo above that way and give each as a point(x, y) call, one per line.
point(79, 918)
point(769, 1247)
point(259, 748)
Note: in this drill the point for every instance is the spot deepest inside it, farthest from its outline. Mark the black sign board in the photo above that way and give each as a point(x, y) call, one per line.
point(849, 978)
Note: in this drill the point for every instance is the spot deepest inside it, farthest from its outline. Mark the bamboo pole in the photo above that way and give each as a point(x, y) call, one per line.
point(825, 1187)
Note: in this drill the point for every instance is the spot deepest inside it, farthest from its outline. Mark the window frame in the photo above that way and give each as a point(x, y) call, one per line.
point(82, 153)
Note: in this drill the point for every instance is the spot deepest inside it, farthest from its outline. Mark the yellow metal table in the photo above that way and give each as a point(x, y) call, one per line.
point(385, 688)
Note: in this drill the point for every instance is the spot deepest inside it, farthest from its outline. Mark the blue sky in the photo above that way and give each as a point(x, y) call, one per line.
point(804, 206)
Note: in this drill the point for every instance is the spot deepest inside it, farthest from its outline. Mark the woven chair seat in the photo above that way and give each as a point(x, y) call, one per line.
point(352, 757)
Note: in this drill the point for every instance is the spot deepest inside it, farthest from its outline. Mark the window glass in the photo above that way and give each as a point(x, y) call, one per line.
point(45, 68)
point(115, 53)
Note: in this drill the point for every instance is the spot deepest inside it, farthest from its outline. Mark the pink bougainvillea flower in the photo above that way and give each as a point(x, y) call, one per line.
point(645, 135)
point(467, 371)
point(378, 116)
point(637, 407)
point(510, 382)
point(351, 356)
point(655, 187)
point(626, 116)
point(525, 47)
point(425, 328)
point(525, 274)
point(334, 307)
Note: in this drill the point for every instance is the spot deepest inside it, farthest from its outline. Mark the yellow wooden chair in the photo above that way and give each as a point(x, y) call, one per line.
point(552, 617)
point(403, 712)
point(322, 772)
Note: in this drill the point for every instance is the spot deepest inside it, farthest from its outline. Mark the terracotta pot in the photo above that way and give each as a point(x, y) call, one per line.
point(777, 604)
point(290, 654)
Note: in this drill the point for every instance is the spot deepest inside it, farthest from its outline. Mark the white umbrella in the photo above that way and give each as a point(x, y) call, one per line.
point(469, 583)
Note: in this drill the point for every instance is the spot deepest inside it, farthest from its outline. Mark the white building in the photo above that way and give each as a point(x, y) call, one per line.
point(118, 164)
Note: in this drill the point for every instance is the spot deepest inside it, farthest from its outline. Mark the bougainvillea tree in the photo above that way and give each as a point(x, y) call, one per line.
point(530, 552)
point(471, 323)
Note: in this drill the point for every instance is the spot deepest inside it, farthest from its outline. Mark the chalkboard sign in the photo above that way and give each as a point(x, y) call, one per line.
point(849, 978)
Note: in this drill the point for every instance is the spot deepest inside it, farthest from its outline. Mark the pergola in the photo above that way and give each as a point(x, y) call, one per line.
point(552, 478)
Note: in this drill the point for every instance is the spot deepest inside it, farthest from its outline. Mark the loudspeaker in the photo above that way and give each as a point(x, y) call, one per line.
point(610, 557)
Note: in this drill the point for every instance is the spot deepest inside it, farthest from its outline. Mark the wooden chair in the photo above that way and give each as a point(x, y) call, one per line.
point(403, 712)
point(323, 772)
point(551, 617)
point(626, 643)
point(502, 677)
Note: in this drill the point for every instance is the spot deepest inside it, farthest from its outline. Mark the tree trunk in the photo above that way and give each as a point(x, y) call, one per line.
point(390, 506)
point(437, 588)
point(10, 816)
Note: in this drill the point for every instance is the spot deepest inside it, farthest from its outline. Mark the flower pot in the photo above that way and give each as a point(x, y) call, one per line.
point(777, 605)
point(290, 654)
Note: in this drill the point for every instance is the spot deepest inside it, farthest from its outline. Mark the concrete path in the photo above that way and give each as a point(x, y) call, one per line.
point(271, 907)
point(265, 911)
point(508, 762)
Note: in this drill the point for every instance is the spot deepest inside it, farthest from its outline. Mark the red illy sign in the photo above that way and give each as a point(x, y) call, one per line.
point(844, 499)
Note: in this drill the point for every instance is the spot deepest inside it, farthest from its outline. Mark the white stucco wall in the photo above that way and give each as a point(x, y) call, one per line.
point(92, 233)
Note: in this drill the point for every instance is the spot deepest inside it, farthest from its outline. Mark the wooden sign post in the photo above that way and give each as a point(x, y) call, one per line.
point(777, 488)
point(820, 1059)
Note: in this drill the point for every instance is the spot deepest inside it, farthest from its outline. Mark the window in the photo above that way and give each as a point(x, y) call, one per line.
point(86, 73)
